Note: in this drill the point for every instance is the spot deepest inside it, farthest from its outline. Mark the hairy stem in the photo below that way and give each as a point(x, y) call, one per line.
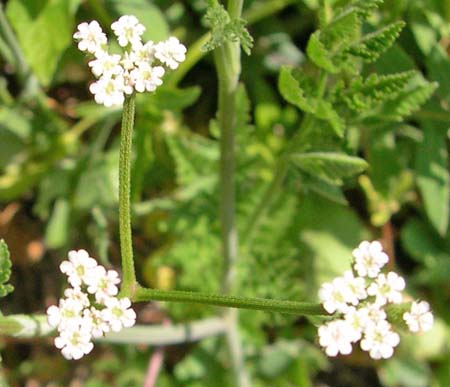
point(228, 64)
point(291, 307)
point(126, 245)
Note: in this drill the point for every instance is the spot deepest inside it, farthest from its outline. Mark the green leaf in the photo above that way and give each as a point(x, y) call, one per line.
point(98, 185)
point(45, 36)
point(328, 234)
point(292, 92)
point(156, 26)
point(318, 53)
point(405, 372)
point(343, 29)
point(432, 176)
point(224, 29)
point(57, 231)
point(372, 45)
point(15, 131)
point(5, 269)
point(438, 66)
point(364, 94)
point(331, 167)
point(408, 101)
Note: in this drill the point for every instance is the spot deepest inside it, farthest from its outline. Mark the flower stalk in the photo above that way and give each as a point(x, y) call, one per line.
point(263, 304)
point(126, 245)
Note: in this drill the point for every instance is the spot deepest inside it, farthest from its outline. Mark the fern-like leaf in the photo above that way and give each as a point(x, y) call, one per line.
point(372, 45)
point(364, 94)
point(408, 101)
point(224, 29)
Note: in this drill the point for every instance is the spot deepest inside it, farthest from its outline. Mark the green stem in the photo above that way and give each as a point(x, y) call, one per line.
point(228, 65)
point(291, 307)
point(29, 326)
point(227, 118)
point(126, 245)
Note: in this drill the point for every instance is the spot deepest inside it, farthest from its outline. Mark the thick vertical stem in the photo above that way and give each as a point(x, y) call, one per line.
point(126, 245)
point(228, 65)
point(227, 119)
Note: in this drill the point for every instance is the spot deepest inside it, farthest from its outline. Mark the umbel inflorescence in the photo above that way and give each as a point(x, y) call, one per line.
point(90, 307)
point(139, 68)
point(361, 297)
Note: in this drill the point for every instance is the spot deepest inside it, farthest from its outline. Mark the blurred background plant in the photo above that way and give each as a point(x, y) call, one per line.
point(302, 202)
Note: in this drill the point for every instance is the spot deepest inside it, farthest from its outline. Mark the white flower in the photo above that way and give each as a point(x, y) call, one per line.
point(77, 266)
point(171, 52)
point(335, 338)
point(387, 288)
point(128, 83)
point(106, 64)
point(118, 313)
point(334, 295)
point(146, 77)
point(127, 62)
point(379, 340)
point(142, 52)
point(369, 259)
point(66, 315)
point(127, 29)
point(108, 91)
point(78, 295)
point(420, 318)
point(356, 288)
point(74, 343)
point(93, 319)
point(102, 283)
point(357, 321)
point(90, 37)
point(375, 314)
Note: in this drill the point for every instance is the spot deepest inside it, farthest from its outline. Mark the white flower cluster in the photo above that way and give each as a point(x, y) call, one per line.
point(90, 307)
point(138, 69)
point(361, 296)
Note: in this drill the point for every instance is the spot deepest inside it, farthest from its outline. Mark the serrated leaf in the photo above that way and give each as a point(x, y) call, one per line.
point(408, 101)
point(5, 269)
point(329, 166)
point(195, 160)
point(342, 30)
point(319, 55)
point(363, 94)
point(291, 90)
point(372, 45)
point(224, 29)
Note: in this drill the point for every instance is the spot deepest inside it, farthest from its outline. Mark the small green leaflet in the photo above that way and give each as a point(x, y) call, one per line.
point(224, 29)
point(331, 167)
point(5, 269)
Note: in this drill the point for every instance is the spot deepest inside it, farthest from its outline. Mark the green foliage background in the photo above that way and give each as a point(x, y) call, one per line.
point(344, 104)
